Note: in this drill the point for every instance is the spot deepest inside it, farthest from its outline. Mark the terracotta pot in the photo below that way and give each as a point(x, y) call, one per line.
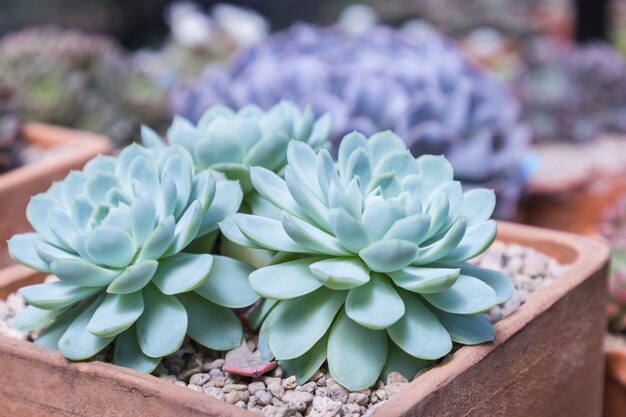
point(74, 148)
point(615, 383)
point(547, 359)
point(574, 184)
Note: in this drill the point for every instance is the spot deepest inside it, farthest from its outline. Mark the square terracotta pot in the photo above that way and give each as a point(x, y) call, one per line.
point(75, 148)
point(547, 359)
point(574, 184)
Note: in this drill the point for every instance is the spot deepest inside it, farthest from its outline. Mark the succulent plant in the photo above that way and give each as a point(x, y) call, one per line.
point(120, 237)
point(370, 274)
point(10, 147)
point(81, 80)
point(430, 96)
point(573, 93)
point(231, 142)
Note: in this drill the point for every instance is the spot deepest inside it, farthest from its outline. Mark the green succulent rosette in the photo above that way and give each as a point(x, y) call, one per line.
point(119, 235)
point(231, 142)
point(370, 274)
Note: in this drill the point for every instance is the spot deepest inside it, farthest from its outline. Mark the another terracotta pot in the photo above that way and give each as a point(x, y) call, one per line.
point(74, 147)
point(574, 184)
point(615, 383)
point(547, 359)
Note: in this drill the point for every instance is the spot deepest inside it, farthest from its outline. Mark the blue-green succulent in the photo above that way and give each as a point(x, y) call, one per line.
point(371, 273)
point(231, 142)
point(120, 237)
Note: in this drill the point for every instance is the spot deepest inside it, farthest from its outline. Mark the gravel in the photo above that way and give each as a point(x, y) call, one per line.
point(276, 395)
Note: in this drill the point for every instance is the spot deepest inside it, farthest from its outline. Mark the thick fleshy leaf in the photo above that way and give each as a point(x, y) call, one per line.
point(217, 148)
point(468, 295)
point(181, 172)
point(378, 217)
point(302, 162)
point(22, 248)
point(62, 225)
point(230, 229)
point(49, 253)
point(305, 366)
point(77, 343)
point(116, 314)
point(37, 215)
point(274, 189)
point(476, 240)
point(268, 152)
point(425, 280)
point(258, 258)
point(264, 232)
point(310, 204)
point(356, 355)
point(260, 312)
point(500, 283)
point(32, 318)
point(384, 143)
point(227, 284)
point(311, 237)
point(435, 169)
point(212, 326)
point(286, 280)
point(159, 240)
point(340, 273)
point(413, 229)
point(438, 211)
point(401, 362)
point(242, 361)
point(350, 232)
point(150, 138)
point(349, 199)
point(98, 185)
point(82, 273)
point(228, 197)
point(56, 295)
point(49, 337)
point(375, 305)
point(465, 328)
point(186, 229)
point(349, 144)
point(143, 215)
point(111, 246)
point(134, 278)
point(478, 205)
point(389, 255)
point(162, 326)
point(443, 246)
point(419, 333)
point(128, 354)
point(326, 171)
point(302, 322)
point(236, 172)
point(182, 272)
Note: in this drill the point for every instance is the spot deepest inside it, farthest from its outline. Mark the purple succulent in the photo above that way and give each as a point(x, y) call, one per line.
point(421, 88)
point(573, 93)
point(10, 146)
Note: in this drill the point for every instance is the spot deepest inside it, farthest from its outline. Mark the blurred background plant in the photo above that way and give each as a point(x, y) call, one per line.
point(573, 93)
point(197, 38)
point(10, 147)
point(418, 85)
point(80, 80)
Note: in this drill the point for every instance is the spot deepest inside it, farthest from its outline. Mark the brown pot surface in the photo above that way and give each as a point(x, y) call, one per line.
point(615, 383)
point(547, 359)
point(574, 184)
point(18, 185)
